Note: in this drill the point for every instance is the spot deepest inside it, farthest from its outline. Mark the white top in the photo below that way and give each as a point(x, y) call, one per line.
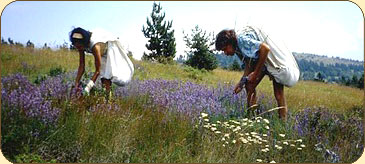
point(100, 36)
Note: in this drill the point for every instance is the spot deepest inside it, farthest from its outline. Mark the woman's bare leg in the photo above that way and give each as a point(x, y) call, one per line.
point(280, 98)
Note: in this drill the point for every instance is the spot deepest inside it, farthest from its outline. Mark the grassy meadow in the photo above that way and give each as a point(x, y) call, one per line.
point(168, 114)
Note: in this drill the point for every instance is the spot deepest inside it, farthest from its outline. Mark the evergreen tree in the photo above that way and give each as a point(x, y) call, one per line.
point(200, 56)
point(3, 41)
point(45, 46)
point(361, 82)
point(64, 46)
point(11, 42)
point(180, 59)
point(161, 41)
point(235, 66)
point(30, 44)
point(319, 77)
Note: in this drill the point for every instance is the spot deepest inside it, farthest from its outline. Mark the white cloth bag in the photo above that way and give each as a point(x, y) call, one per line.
point(115, 64)
point(280, 62)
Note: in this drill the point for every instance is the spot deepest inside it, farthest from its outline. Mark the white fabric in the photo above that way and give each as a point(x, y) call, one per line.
point(280, 62)
point(100, 36)
point(115, 64)
point(88, 87)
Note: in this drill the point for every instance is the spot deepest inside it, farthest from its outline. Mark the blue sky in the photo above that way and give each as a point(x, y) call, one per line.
point(323, 28)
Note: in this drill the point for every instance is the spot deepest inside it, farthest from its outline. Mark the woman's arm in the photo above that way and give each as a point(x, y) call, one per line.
point(263, 52)
point(81, 69)
point(97, 56)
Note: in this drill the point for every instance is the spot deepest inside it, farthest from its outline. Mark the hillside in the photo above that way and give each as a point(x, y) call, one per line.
point(304, 94)
point(326, 60)
point(168, 114)
point(335, 70)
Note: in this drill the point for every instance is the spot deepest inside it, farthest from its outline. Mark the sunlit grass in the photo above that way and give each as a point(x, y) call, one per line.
point(304, 94)
point(131, 129)
point(34, 62)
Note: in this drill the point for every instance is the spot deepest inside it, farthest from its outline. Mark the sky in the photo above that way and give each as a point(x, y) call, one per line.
point(334, 29)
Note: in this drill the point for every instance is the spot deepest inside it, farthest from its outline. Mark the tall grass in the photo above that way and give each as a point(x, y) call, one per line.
point(159, 117)
point(34, 62)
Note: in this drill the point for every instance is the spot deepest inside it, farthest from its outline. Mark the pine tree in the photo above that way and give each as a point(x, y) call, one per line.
point(235, 66)
point(3, 41)
point(11, 42)
point(161, 41)
point(30, 44)
point(200, 56)
point(360, 84)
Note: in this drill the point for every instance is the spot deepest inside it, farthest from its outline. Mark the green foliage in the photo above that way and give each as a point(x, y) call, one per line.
point(161, 41)
point(30, 44)
point(31, 158)
point(3, 41)
point(225, 61)
point(200, 56)
point(19, 134)
point(137, 132)
point(195, 74)
point(235, 66)
point(56, 71)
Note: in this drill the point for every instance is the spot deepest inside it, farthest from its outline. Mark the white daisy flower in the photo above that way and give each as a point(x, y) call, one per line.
point(243, 140)
point(204, 115)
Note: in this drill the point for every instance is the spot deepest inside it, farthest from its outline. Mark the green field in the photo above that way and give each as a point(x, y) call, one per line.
point(303, 94)
point(126, 130)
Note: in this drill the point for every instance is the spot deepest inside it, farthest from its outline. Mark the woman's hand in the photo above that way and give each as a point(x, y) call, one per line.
point(252, 77)
point(237, 89)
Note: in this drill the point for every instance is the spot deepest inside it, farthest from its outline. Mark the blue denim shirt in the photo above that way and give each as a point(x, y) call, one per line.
point(248, 45)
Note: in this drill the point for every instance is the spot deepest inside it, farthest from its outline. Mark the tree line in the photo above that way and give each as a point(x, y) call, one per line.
point(346, 74)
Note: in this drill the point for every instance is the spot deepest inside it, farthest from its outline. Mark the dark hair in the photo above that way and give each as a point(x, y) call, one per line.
point(85, 36)
point(224, 38)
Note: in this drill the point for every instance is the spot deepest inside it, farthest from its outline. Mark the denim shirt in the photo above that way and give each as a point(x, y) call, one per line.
point(248, 46)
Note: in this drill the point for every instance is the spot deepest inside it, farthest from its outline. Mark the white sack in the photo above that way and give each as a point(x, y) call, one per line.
point(116, 65)
point(280, 61)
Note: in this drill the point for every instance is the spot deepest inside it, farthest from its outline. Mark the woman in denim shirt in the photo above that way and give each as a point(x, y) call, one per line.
point(259, 61)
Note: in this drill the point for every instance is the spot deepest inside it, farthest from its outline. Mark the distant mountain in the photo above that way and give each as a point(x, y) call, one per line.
point(316, 67)
point(225, 61)
point(326, 60)
point(323, 68)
